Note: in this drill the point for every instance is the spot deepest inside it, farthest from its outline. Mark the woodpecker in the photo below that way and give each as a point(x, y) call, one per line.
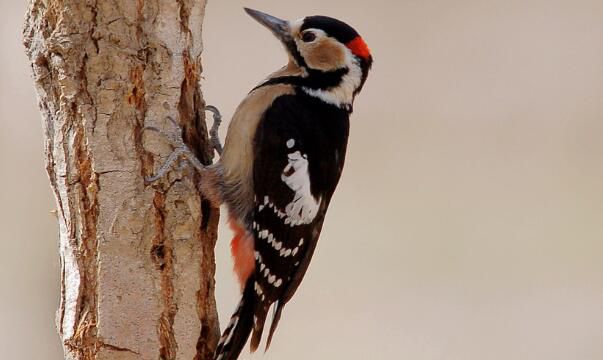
point(283, 157)
point(281, 162)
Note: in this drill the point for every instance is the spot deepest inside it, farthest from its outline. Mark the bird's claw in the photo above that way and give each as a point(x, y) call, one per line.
point(181, 150)
point(213, 132)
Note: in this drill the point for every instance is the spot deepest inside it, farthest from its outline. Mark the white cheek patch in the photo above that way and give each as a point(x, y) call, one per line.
point(303, 208)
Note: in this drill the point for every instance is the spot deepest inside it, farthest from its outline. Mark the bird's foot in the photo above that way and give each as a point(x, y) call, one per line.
point(182, 151)
point(213, 132)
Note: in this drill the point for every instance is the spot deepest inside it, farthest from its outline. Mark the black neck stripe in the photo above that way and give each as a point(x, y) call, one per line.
point(316, 79)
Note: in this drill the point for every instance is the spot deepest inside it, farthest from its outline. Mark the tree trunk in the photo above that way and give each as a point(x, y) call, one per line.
point(137, 260)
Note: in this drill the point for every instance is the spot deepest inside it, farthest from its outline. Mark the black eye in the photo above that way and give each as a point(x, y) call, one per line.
point(308, 36)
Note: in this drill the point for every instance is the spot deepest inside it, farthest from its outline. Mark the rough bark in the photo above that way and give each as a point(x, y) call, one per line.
point(137, 260)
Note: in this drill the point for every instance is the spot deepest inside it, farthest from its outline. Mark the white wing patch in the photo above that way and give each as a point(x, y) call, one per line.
point(303, 208)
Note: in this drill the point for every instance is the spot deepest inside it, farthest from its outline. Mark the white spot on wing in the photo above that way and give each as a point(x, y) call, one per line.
point(290, 143)
point(258, 288)
point(303, 208)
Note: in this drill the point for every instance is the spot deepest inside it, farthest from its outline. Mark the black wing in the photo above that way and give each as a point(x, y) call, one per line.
point(300, 150)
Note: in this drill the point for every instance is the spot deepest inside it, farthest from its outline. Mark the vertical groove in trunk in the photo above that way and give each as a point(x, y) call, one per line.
point(137, 261)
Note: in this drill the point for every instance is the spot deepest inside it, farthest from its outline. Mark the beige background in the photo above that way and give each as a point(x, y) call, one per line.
point(468, 223)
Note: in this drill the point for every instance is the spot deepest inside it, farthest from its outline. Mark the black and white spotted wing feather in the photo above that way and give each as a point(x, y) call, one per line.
point(294, 178)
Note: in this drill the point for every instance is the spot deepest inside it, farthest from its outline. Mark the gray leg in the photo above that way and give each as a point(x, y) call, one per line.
point(213, 132)
point(182, 151)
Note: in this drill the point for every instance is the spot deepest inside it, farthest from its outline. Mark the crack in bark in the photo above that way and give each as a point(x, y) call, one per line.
point(194, 132)
point(185, 13)
point(206, 304)
point(117, 348)
point(162, 255)
point(191, 111)
point(85, 339)
point(161, 250)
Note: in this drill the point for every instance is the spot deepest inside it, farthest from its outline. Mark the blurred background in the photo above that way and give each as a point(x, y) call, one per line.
point(468, 224)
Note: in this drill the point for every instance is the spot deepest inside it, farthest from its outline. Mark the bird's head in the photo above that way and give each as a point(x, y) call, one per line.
point(330, 53)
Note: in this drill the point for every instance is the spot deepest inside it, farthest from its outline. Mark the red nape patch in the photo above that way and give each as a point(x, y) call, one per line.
point(359, 47)
point(242, 249)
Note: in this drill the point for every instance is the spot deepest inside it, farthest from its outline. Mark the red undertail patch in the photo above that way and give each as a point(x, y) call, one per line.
point(359, 47)
point(242, 250)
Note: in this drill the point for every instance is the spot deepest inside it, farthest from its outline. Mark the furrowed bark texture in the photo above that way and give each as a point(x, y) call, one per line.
point(137, 260)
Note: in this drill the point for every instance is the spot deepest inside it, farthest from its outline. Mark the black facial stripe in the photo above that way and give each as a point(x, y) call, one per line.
point(299, 59)
point(341, 31)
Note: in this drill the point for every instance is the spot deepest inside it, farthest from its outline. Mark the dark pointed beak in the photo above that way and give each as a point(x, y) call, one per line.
point(280, 28)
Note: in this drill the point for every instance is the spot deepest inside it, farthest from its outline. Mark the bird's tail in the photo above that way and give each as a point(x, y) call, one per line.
point(237, 332)
point(278, 309)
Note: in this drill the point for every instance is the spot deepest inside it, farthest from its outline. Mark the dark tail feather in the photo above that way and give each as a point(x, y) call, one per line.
point(237, 332)
point(258, 327)
point(278, 309)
